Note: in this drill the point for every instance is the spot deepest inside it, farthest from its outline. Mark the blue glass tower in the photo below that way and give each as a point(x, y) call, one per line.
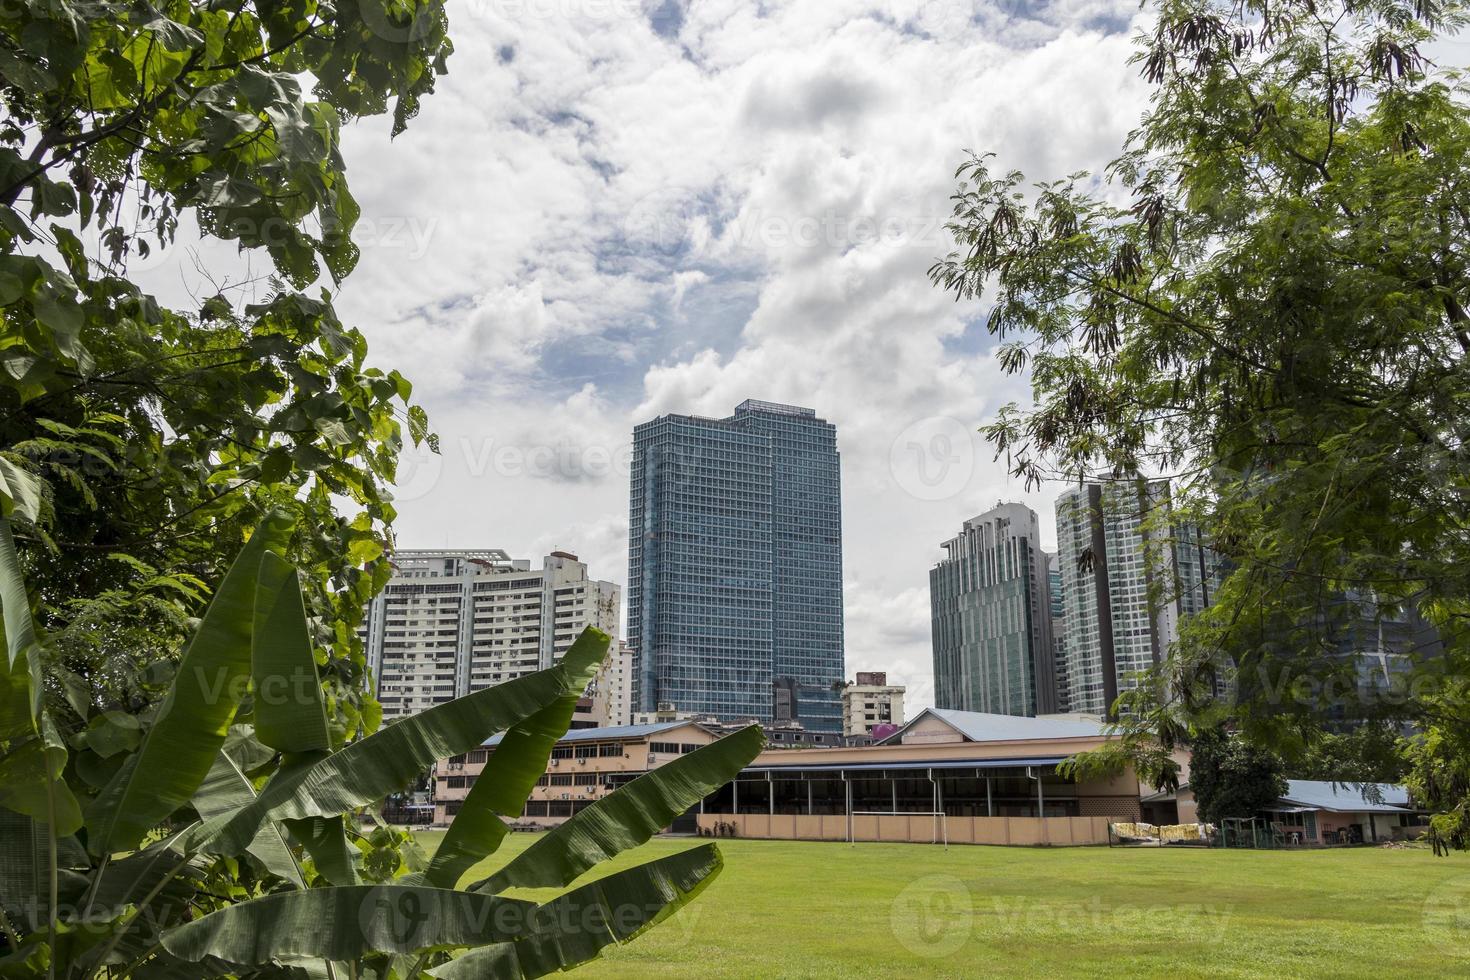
point(735, 565)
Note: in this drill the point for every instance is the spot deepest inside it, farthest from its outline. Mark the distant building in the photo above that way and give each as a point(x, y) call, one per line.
point(871, 701)
point(994, 777)
point(611, 693)
point(991, 617)
point(735, 566)
point(1129, 573)
point(1313, 813)
point(585, 766)
point(1058, 633)
point(452, 622)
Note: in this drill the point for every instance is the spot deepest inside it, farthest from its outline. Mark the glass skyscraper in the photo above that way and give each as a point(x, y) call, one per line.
point(735, 566)
point(1130, 572)
point(992, 618)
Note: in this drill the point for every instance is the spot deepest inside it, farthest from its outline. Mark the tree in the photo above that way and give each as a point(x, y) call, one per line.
point(159, 433)
point(224, 841)
point(1264, 301)
point(1232, 778)
point(1370, 753)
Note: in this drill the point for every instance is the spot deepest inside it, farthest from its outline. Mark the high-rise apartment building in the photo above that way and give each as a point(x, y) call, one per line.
point(735, 566)
point(1058, 632)
point(991, 617)
point(452, 622)
point(871, 701)
point(611, 695)
point(1129, 572)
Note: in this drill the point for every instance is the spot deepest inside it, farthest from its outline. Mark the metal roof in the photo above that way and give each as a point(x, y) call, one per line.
point(977, 726)
point(910, 765)
point(1345, 797)
point(617, 731)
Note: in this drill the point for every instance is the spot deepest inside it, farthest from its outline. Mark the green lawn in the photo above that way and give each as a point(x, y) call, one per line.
point(789, 909)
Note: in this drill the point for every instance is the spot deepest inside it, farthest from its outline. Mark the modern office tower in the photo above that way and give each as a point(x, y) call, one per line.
point(452, 622)
point(871, 701)
point(735, 566)
point(991, 617)
point(1129, 574)
point(1058, 632)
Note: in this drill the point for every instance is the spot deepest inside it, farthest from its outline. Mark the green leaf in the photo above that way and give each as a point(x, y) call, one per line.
point(289, 712)
point(325, 839)
point(111, 732)
point(629, 816)
point(514, 767)
point(576, 927)
point(348, 923)
point(31, 770)
point(386, 761)
point(21, 492)
point(195, 716)
point(225, 790)
point(30, 781)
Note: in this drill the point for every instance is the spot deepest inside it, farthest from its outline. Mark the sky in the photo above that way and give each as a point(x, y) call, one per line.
point(612, 210)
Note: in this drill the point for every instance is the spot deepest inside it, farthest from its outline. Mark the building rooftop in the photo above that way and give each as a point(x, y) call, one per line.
point(617, 731)
point(978, 726)
point(774, 408)
point(1346, 797)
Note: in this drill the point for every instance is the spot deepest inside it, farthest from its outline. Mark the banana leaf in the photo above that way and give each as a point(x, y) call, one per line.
point(627, 817)
point(325, 839)
point(20, 492)
point(577, 926)
point(513, 769)
point(195, 716)
point(289, 712)
point(386, 761)
point(347, 923)
point(225, 790)
point(30, 772)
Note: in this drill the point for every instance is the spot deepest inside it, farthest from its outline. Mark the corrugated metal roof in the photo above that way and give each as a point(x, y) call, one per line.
point(1341, 797)
point(910, 765)
point(618, 731)
point(980, 727)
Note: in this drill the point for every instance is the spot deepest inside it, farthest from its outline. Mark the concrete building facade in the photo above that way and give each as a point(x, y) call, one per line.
point(452, 622)
point(735, 566)
point(611, 693)
point(871, 701)
point(585, 766)
point(990, 606)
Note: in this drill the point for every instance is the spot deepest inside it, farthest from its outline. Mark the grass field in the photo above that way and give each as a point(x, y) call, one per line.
point(796, 909)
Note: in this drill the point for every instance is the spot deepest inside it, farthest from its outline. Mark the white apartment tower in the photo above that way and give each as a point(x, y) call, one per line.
point(871, 701)
point(612, 689)
point(1129, 571)
point(452, 622)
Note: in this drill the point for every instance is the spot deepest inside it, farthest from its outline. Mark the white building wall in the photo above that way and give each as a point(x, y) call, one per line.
point(452, 622)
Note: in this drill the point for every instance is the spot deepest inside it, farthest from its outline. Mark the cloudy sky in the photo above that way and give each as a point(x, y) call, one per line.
point(616, 209)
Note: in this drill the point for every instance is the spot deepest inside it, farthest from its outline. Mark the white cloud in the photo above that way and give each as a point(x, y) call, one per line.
point(594, 224)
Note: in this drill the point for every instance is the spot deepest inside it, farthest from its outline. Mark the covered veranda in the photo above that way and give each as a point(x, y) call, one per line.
point(1019, 787)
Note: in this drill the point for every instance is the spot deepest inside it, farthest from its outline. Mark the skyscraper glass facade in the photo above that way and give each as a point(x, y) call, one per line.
point(1130, 572)
point(735, 565)
point(991, 617)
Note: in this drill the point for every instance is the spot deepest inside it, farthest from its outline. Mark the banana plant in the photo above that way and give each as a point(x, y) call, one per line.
point(230, 831)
